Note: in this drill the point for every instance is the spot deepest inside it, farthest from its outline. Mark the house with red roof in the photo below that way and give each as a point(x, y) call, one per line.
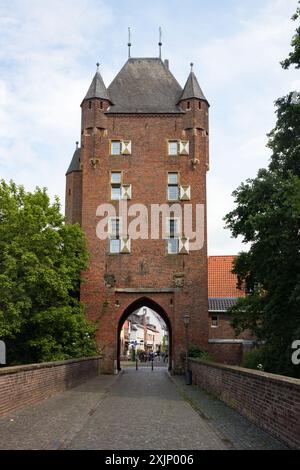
point(223, 293)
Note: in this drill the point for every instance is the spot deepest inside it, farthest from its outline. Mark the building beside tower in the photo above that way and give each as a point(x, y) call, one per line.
point(144, 140)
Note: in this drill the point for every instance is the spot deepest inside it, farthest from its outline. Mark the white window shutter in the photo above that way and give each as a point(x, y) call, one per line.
point(185, 193)
point(125, 245)
point(184, 147)
point(126, 191)
point(126, 147)
point(184, 247)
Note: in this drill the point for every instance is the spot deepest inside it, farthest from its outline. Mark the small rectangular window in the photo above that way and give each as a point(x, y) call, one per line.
point(172, 246)
point(115, 227)
point(172, 178)
point(173, 193)
point(114, 235)
point(115, 147)
point(173, 228)
point(116, 178)
point(114, 245)
point(214, 321)
point(173, 188)
point(173, 147)
point(173, 234)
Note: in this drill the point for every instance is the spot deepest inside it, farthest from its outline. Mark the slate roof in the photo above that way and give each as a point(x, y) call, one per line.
point(192, 89)
point(97, 89)
point(220, 304)
point(144, 85)
point(221, 281)
point(75, 162)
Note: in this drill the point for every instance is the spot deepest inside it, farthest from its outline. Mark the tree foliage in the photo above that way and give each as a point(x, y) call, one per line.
point(41, 318)
point(294, 56)
point(267, 215)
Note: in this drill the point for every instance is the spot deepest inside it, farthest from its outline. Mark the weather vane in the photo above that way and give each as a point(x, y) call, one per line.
point(160, 43)
point(129, 42)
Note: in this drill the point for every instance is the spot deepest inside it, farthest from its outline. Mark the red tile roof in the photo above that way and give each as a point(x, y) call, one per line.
point(221, 281)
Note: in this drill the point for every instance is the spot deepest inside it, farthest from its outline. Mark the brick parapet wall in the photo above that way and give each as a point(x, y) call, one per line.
point(270, 401)
point(25, 385)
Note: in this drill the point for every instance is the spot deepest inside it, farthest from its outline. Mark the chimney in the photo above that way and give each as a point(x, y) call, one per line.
point(166, 62)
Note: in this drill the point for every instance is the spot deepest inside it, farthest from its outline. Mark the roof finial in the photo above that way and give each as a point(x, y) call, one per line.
point(98, 65)
point(77, 144)
point(160, 43)
point(129, 42)
point(192, 65)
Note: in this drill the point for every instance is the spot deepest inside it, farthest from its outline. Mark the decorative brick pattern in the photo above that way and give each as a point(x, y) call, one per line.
point(268, 400)
point(21, 386)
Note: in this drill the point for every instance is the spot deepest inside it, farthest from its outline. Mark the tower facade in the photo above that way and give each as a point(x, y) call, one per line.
point(137, 186)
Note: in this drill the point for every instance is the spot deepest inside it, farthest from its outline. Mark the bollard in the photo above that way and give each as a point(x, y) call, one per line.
point(152, 365)
point(136, 364)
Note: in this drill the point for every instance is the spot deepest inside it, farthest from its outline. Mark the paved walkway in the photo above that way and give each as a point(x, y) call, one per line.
point(141, 409)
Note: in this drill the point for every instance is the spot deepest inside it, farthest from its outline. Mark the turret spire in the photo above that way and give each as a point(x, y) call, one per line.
point(192, 88)
point(97, 88)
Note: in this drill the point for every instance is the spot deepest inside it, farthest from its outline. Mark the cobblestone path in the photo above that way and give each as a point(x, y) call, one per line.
point(141, 409)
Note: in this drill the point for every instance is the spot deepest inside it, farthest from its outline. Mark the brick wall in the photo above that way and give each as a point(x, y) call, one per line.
point(226, 353)
point(270, 401)
point(26, 385)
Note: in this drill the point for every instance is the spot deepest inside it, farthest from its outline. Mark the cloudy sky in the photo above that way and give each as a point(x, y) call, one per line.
point(48, 52)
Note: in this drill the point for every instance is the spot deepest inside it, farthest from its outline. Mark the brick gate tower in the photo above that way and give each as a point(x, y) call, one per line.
point(144, 140)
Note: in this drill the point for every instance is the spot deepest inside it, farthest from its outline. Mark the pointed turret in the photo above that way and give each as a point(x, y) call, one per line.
point(73, 199)
point(95, 104)
point(97, 88)
point(192, 88)
point(75, 162)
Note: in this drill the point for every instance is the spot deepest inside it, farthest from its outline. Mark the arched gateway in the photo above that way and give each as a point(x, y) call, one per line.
point(144, 142)
point(136, 305)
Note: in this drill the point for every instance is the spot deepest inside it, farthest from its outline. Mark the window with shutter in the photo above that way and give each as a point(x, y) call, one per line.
point(184, 147)
point(185, 193)
point(126, 147)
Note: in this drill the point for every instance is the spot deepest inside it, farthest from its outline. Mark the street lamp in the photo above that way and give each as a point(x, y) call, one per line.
point(186, 321)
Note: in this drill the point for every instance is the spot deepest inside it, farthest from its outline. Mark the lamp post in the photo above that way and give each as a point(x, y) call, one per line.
point(186, 321)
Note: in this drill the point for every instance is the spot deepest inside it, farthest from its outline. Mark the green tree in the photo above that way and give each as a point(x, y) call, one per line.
point(41, 318)
point(267, 215)
point(294, 56)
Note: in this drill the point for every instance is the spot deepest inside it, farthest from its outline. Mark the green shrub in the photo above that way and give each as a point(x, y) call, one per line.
point(254, 359)
point(197, 352)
